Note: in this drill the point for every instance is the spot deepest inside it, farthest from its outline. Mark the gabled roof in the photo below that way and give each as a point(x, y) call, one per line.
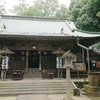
point(5, 50)
point(35, 26)
point(68, 54)
point(59, 51)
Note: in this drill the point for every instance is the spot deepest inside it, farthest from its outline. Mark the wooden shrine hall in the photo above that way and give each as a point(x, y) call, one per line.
point(33, 39)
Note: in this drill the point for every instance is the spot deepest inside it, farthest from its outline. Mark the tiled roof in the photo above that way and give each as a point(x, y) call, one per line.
point(34, 26)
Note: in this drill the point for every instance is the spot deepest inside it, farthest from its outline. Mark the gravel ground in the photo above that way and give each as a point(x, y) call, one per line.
point(94, 98)
point(51, 97)
point(8, 98)
point(63, 97)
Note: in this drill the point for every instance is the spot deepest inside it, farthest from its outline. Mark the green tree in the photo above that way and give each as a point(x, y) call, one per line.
point(92, 1)
point(42, 8)
point(75, 9)
point(84, 13)
point(98, 14)
point(96, 2)
point(2, 7)
point(20, 9)
point(63, 12)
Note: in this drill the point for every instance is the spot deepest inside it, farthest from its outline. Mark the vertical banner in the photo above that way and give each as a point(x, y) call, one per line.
point(5, 62)
point(59, 62)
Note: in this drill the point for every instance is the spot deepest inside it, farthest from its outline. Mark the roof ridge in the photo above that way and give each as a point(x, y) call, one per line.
point(32, 17)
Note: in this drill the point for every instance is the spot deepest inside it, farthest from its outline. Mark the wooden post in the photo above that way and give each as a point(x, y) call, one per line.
point(40, 60)
point(27, 53)
point(58, 73)
point(2, 75)
point(61, 73)
point(84, 65)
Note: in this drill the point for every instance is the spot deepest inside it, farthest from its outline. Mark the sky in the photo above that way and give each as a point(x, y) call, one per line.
point(10, 3)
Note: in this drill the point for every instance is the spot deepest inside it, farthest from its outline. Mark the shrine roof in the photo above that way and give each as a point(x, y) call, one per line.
point(45, 27)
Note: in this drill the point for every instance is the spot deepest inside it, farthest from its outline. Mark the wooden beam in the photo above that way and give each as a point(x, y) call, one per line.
point(30, 48)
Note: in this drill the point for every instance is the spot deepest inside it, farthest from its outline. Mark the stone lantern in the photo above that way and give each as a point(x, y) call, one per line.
point(67, 60)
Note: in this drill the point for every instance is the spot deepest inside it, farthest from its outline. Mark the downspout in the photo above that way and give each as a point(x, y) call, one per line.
point(87, 49)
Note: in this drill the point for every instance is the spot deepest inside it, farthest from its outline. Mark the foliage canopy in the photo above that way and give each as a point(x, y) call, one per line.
point(41, 8)
point(85, 14)
point(2, 7)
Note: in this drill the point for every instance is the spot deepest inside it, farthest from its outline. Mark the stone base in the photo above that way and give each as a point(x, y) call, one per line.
point(92, 89)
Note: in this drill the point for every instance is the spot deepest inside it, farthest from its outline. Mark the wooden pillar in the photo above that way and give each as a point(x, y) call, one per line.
point(27, 53)
point(58, 73)
point(84, 65)
point(2, 75)
point(61, 73)
point(40, 60)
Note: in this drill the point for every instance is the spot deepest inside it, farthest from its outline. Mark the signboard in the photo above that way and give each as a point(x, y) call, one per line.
point(5, 62)
point(79, 66)
point(59, 62)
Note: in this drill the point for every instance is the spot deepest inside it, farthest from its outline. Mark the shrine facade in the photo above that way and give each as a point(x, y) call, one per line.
point(33, 40)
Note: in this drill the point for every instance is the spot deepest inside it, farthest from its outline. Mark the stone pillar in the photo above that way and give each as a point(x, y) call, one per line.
point(68, 86)
point(68, 57)
point(27, 53)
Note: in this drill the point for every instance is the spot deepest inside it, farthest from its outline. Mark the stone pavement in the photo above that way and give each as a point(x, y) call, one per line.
point(50, 97)
point(8, 98)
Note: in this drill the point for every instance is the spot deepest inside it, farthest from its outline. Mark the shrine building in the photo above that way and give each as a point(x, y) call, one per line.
point(33, 39)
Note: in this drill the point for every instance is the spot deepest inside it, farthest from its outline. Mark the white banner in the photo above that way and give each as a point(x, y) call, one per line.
point(5, 62)
point(59, 62)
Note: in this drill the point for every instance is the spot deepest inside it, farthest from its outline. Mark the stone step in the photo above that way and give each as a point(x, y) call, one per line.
point(33, 92)
point(33, 88)
point(33, 84)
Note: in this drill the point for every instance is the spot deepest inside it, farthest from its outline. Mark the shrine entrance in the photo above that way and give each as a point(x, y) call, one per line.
point(33, 62)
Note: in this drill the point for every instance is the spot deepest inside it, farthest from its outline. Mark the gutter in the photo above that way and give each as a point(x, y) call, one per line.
point(87, 49)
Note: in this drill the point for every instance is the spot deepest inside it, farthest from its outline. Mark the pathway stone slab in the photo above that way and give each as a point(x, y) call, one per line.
point(32, 97)
point(63, 97)
point(50, 97)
